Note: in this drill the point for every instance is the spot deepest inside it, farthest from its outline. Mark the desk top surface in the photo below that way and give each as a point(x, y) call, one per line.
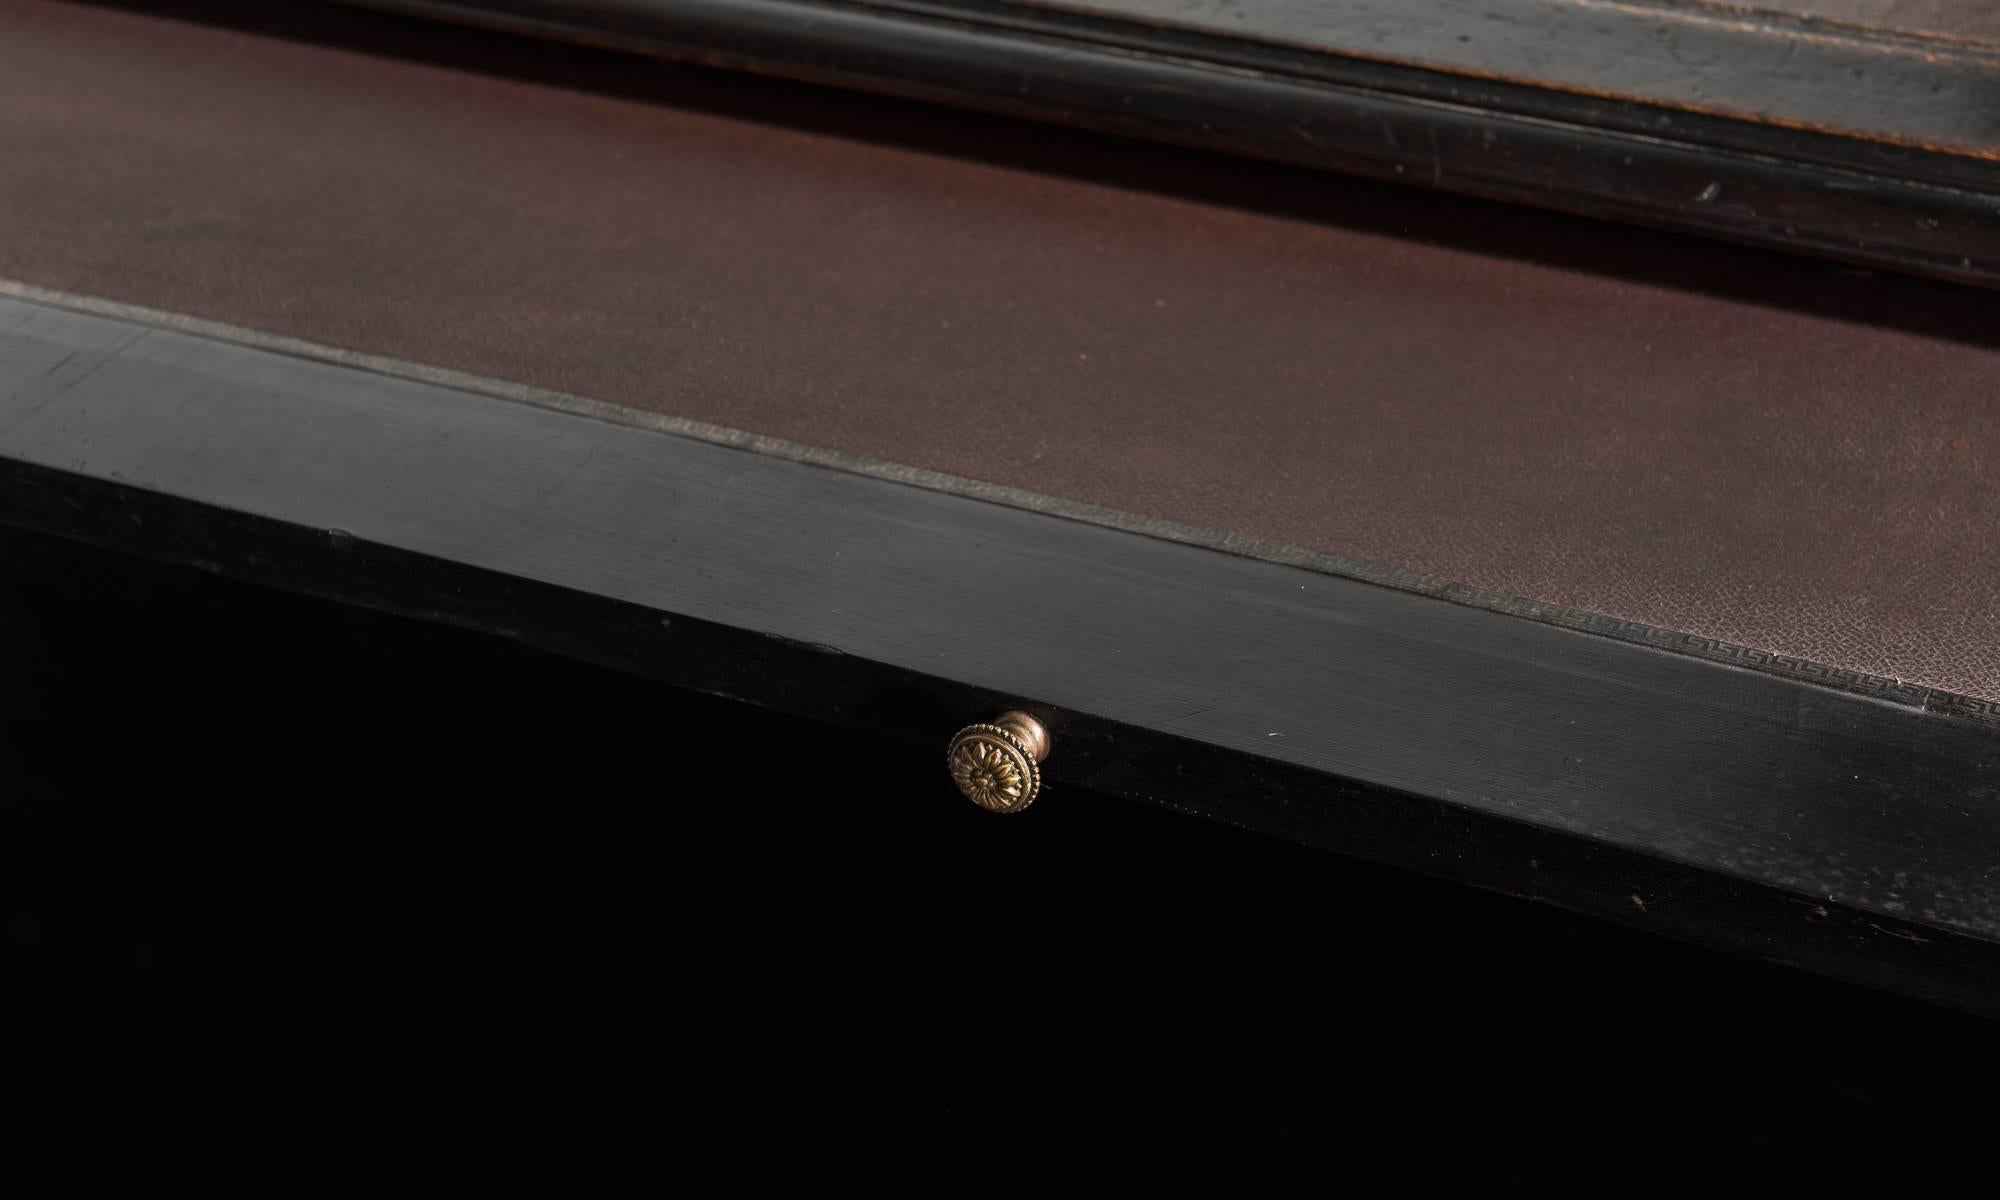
point(1783, 454)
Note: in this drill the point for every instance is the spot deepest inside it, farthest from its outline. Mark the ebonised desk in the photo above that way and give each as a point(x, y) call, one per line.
point(1645, 576)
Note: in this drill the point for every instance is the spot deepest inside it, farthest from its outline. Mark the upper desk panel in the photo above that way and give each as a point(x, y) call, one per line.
point(1970, 20)
point(1775, 452)
point(1867, 131)
point(1864, 76)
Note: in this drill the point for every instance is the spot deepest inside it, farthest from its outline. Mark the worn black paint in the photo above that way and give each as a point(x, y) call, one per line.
point(1738, 808)
point(1807, 164)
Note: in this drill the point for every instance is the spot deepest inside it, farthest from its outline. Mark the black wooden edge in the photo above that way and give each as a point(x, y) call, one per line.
point(1789, 74)
point(1782, 184)
point(1413, 832)
point(1716, 804)
point(1717, 650)
point(1771, 84)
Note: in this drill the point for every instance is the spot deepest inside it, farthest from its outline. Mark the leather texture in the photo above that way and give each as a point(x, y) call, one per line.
point(1784, 454)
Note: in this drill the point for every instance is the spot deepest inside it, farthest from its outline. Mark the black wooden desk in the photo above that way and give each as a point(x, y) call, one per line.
point(1645, 576)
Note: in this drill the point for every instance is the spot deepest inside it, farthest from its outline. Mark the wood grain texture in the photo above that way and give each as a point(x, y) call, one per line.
point(1746, 810)
point(1959, 20)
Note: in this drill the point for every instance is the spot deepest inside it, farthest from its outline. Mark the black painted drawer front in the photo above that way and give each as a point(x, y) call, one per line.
point(314, 897)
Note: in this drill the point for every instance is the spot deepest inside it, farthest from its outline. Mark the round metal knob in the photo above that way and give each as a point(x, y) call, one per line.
point(996, 764)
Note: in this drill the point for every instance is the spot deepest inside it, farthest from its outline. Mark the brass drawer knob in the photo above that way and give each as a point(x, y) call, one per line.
point(996, 764)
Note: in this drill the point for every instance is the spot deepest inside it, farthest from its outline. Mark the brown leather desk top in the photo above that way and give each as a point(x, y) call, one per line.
point(1778, 453)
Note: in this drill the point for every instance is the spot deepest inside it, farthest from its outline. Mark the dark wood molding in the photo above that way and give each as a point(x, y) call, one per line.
point(1860, 84)
point(1851, 143)
point(1729, 806)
